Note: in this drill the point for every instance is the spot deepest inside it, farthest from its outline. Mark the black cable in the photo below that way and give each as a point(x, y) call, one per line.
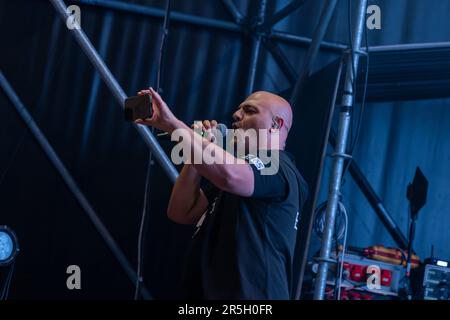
point(354, 75)
point(11, 273)
point(162, 48)
point(336, 248)
point(8, 280)
point(319, 221)
point(142, 227)
point(339, 233)
point(363, 102)
point(350, 36)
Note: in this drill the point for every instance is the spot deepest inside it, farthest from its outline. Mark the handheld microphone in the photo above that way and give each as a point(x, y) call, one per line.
point(220, 127)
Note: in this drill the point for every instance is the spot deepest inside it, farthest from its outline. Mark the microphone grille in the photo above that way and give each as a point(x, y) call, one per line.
point(222, 128)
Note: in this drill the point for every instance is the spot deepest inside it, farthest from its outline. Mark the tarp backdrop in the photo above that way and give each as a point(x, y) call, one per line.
point(204, 78)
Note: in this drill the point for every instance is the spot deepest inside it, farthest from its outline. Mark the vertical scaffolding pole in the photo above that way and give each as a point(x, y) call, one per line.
point(340, 155)
point(256, 45)
point(117, 91)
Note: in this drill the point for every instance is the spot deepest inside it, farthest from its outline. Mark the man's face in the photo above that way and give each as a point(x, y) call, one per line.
point(253, 113)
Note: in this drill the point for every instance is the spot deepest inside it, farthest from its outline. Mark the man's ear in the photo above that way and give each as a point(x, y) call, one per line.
point(277, 123)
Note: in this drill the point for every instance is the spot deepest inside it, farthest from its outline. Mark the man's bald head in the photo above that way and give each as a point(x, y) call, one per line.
point(276, 104)
point(261, 110)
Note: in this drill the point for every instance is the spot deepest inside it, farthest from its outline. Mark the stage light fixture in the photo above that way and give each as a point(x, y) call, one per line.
point(9, 246)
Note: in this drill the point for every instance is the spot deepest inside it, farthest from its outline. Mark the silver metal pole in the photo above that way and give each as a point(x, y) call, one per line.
point(117, 91)
point(70, 182)
point(339, 156)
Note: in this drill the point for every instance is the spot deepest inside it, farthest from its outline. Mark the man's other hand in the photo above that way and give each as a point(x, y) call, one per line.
point(208, 129)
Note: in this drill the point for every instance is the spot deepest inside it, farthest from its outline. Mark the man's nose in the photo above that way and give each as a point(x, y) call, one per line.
point(237, 116)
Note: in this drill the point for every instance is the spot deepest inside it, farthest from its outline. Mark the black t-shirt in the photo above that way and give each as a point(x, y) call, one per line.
point(243, 247)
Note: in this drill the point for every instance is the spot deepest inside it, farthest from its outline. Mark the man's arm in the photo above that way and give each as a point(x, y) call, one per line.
point(187, 202)
point(228, 173)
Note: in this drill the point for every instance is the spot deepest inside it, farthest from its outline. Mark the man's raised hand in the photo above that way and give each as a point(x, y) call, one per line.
point(162, 117)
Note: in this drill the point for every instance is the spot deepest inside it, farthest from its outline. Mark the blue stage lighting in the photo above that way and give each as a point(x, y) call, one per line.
point(9, 246)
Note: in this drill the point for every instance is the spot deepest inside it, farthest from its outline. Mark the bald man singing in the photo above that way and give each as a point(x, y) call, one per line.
point(246, 220)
